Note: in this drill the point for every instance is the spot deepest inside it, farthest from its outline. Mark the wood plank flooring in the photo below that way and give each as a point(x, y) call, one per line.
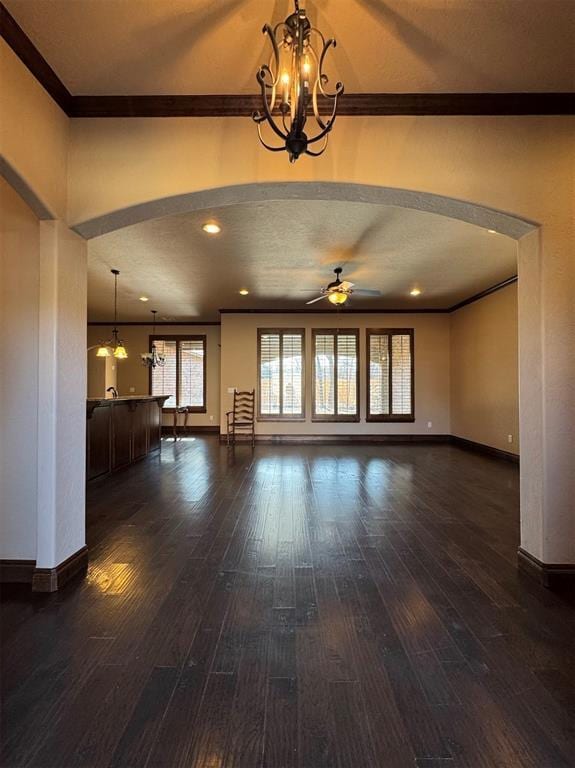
point(294, 607)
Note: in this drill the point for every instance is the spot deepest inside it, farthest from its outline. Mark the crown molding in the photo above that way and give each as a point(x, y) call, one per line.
point(483, 294)
point(238, 105)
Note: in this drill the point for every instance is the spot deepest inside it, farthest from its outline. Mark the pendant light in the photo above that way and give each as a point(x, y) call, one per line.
point(153, 359)
point(116, 343)
point(293, 87)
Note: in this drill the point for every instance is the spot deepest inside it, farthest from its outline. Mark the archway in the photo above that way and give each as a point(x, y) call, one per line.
point(524, 232)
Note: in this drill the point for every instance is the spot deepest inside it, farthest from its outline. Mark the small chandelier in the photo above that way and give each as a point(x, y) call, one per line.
point(293, 78)
point(114, 346)
point(153, 359)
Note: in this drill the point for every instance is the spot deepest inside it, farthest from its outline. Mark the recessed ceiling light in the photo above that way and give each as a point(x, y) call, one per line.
point(144, 298)
point(492, 231)
point(244, 292)
point(212, 228)
point(414, 292)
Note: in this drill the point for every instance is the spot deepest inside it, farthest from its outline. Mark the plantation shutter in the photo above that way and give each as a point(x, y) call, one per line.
point(346, 375)
point(378, 350)
point(191, 372)
point(324, 375)
point(281, 373)
point(390, 375)
point(270, 374)
point(164, 378)
point(335, 375)
point(292, 374)
point(401, 374)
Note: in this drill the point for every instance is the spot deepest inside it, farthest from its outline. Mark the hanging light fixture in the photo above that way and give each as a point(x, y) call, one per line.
point(293, 78)
point(153, 359)
point(119, 350)
point(114, 346)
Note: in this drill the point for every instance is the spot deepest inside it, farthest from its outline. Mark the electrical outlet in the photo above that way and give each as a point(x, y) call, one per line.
point(211, 418)
point(509, 438)
point(429, 424)
point(132, 389)
point(231, 390)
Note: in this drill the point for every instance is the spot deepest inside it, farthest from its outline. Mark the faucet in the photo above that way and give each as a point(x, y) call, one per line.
point(114, 392)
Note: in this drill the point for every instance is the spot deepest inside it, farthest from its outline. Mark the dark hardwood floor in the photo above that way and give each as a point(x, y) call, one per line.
point(353, 606)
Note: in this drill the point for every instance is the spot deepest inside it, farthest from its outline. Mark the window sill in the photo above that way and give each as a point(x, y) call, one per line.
point(332, 419)
point(391, 419)
point(281, 418)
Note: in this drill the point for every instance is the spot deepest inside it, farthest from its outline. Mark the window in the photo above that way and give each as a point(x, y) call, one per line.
point(183, 376)
point(390, 388)
point(335, 375)
point(281, 374)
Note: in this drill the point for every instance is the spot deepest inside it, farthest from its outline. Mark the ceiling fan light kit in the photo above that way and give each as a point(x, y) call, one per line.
point(292, 84)
point(338, 291)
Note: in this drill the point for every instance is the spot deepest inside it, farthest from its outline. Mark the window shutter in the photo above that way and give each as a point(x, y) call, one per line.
point(270, 374)
point(324, 358)
point(281, 373)
point(335, 375)
point(401, 374)
point(379, 374)
point(292, 374)
point(192, 367)
point(346, 375)
point(164, 378)
point(390, 375)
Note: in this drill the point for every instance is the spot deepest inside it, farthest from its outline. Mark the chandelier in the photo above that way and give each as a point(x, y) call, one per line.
point(292, 85)
point(153, 359)
point(114, 346)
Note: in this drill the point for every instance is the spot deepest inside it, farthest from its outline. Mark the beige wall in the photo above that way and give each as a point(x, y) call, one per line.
point(484, 371)
point(34, 141)
point(132, 374)
point(19, 293)
point(239, 368)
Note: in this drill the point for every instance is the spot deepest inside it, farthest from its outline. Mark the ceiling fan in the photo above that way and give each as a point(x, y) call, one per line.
point(339, 291)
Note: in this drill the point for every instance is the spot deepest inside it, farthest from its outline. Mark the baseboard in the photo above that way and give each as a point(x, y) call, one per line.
point(16, 571)
point(487, 450)
point(52, 579)
point(550, 575)
point(168, 431)
point(338, 439)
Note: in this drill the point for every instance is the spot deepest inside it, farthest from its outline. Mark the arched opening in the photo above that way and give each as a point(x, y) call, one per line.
point(523, 232)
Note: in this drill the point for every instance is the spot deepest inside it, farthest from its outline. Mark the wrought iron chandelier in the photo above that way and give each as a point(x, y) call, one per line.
point(153, 359)
point(292, 85)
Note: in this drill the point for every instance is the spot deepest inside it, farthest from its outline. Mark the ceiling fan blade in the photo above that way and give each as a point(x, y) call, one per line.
point(346, 285)
point(319, 298)
point(367, 292)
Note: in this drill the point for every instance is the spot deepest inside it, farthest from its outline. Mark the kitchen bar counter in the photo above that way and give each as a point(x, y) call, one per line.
point(121, 430)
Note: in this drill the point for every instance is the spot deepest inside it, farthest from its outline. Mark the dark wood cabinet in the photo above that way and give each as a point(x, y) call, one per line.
point(121, 431)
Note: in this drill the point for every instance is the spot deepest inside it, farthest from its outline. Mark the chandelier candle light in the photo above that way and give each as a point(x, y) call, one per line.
point(153, 359)
point(292, 85)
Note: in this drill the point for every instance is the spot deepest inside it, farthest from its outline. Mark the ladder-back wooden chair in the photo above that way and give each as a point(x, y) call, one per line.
point(242, 417)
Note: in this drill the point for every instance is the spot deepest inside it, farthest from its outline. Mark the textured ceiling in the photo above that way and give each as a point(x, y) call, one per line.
point(283, 252)
point(215, 46)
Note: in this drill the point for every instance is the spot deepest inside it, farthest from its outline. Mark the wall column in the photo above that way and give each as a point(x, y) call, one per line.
point(61, 445)
point(547, 411)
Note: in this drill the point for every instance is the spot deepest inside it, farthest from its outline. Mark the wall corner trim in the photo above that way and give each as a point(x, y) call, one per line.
point(53, 579)
point(549, 575)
